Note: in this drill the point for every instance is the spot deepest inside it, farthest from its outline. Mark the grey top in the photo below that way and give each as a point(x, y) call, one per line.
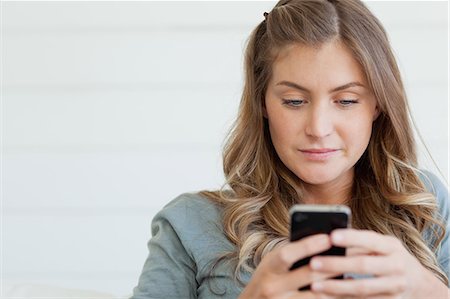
point(187, 237)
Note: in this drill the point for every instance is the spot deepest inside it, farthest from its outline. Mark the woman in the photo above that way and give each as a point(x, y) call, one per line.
point(323, 119)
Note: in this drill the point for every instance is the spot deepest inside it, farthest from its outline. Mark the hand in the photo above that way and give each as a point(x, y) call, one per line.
point(273, 279)
point(397, 273)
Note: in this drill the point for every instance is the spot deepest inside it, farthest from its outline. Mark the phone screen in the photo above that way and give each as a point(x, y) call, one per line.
point(307, 223)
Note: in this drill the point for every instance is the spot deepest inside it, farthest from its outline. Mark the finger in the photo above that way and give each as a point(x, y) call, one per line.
point(295, 294)
point(307, 295)
point(377, 265)
point(301, 277)
point(292, 252)
point(354, 251)
point(366, 239)
point(382, 286)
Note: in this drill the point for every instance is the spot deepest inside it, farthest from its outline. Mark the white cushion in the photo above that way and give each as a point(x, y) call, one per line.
point(36, 290)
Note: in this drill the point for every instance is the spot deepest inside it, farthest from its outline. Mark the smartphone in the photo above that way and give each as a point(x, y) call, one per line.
point(307, 220)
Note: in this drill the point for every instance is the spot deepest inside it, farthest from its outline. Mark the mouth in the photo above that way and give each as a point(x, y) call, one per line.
point(318, 150)
point(319, 154)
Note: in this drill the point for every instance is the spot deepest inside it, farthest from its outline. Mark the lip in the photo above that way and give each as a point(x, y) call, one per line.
point(319, 154)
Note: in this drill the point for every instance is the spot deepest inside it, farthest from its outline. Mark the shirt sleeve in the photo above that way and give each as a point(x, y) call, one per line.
point(443, 254)
point(169, 271)
point(438, 188)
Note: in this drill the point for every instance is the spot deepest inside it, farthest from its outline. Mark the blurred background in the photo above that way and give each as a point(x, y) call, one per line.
point(112, 109)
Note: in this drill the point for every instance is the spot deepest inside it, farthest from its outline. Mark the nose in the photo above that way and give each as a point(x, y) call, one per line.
point(319, 122)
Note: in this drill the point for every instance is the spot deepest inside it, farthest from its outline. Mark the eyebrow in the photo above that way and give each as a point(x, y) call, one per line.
point(299, 87)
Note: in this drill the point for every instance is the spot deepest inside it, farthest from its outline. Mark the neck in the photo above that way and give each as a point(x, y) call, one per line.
point(336, 192)
point(329, 196)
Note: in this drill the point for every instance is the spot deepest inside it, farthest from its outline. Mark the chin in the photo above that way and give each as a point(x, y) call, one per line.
point(314, 177)
point(315, 181)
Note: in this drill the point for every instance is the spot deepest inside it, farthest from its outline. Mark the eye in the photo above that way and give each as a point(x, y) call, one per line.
point(347, 102)
point(293, 103)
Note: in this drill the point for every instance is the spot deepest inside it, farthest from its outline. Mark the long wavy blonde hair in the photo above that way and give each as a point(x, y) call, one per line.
point(387, 195)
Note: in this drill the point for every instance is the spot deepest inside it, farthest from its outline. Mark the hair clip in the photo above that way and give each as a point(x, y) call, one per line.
point(265, 15)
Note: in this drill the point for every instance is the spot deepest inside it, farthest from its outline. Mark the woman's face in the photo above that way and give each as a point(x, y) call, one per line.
point(320, 112)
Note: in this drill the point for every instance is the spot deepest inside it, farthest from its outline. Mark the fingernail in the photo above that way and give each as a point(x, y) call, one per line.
point(337, 237)
point(316, 264)
point(317, 286)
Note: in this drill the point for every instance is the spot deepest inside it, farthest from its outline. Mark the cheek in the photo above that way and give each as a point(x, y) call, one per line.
point(282, 130)
point(357, 135)
point(278, 135)
point(283, 135)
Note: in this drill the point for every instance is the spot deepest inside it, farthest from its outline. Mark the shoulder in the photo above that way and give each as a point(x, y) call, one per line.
point(440, 191)
point(186, 237)
point(435, 186)
point(191, 208)
point(196, 222)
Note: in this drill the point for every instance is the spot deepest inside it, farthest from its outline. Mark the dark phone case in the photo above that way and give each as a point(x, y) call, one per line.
point(310, 223)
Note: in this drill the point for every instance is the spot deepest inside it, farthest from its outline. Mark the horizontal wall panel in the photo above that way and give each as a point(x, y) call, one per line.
point(65, 250)
point(59, 243)
point(110, 180)
point(421, 55)
point(167, 13)
point(112, 118)
point(431, 115)
point(72, 60)
point(12, 289)
point(407, 13)
point(84, 286)
point(111, 14)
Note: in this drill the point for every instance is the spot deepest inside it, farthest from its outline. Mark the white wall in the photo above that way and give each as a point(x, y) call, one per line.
point(111, 109)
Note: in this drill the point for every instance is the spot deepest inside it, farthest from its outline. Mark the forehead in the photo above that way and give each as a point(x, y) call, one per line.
point(330, 63)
